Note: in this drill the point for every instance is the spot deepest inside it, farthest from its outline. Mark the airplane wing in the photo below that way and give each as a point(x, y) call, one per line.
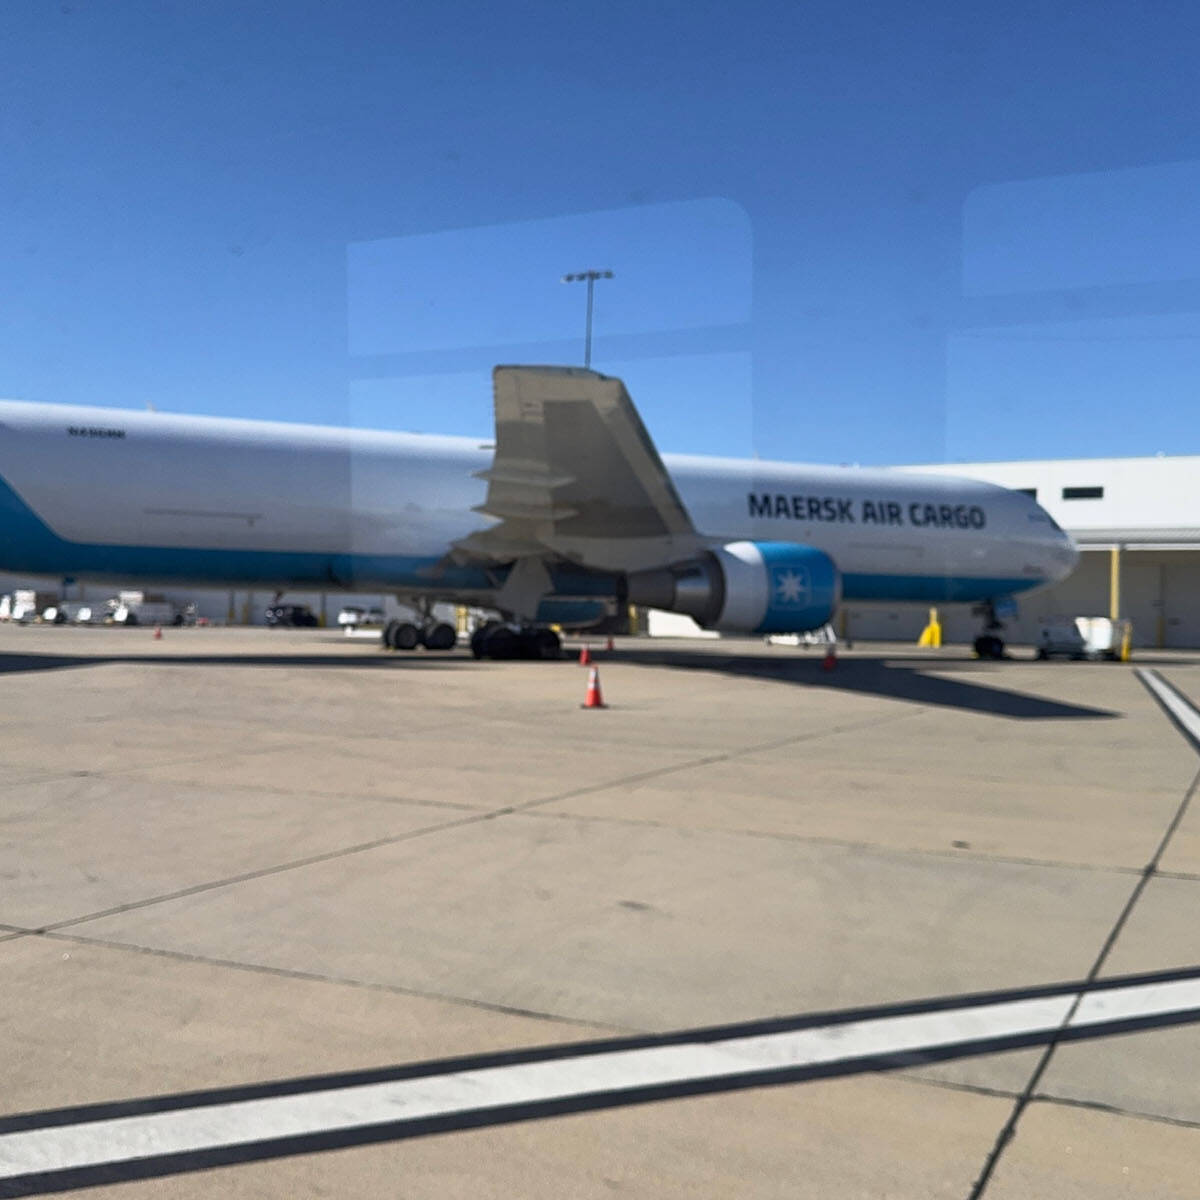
point(576, 477)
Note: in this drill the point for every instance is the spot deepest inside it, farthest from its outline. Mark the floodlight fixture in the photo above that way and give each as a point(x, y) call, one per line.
point(588, 277)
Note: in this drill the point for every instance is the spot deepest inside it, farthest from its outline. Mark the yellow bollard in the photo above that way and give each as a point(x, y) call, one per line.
point(1127, 641)
point(931, 635)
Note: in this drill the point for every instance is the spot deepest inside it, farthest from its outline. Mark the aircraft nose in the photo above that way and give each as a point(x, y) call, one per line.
point(1064, 556)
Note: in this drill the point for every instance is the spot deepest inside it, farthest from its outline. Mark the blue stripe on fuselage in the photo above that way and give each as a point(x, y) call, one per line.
point(931, 589)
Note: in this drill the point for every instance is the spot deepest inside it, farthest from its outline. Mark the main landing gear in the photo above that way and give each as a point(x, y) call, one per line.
point(405, 635)
point(426, 631)
point(989, 644)
point(500, 641)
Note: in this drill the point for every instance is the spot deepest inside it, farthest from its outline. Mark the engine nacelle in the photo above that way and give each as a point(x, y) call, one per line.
point(747, 587)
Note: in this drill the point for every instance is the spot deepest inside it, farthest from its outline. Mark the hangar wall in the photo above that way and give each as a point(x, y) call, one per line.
point(1160, 594)
point(1147, 510)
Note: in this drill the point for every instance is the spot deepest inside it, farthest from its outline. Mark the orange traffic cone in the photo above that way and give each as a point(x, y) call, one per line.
point(593, 699)
point(830, 659)
point(585, 656)
point(158, 633)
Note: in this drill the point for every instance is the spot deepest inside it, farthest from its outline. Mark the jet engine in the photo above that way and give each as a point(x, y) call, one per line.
point(746, 587)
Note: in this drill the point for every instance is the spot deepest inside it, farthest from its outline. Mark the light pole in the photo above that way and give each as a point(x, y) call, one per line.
point(590, 277)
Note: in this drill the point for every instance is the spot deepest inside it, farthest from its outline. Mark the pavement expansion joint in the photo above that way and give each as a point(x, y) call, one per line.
point(259, 789)
point(710, 760)
point(1115, 1109)
point(1046, 1098)
point(1186, 876)
point(396, 989)
point(875, 848)
point(473, 818)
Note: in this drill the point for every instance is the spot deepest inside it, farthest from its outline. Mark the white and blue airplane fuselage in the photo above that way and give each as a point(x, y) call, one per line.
point(125, 496)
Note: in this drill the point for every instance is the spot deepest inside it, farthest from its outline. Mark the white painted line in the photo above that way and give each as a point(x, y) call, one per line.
point(1174, 702)
point(1141, 1000)
point(242, 1123)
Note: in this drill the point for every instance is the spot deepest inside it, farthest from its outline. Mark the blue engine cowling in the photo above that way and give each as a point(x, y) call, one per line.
point(747, 587)
point(776, 587)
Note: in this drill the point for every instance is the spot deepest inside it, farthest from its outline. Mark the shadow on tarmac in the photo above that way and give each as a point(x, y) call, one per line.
point(887, 677)
point(890, 677)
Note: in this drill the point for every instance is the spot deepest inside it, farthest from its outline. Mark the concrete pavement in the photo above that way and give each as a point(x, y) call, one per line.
point(233, 856)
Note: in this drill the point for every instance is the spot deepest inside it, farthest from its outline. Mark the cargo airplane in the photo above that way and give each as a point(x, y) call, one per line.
point(569, 511)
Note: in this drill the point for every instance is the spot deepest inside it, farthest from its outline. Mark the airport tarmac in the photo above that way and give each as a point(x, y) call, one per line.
point(234, 858)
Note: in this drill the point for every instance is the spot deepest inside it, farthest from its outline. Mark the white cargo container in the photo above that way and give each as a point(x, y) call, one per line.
point(26, 605)
point(143, 608)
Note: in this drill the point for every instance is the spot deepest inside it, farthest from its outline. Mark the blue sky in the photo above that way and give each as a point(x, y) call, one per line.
point(839, 232)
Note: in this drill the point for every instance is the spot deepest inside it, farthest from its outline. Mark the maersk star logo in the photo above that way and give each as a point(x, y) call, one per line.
point(791, 587)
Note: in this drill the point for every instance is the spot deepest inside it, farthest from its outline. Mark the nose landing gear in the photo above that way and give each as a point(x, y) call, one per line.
point(989, 644)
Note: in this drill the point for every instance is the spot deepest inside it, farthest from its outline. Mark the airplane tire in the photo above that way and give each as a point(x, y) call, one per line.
point(479, 639)
point(503, 644)
point(988, 646)
point(548, 644)
point(406, 636)
point(500, 642)
point(439, 637)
